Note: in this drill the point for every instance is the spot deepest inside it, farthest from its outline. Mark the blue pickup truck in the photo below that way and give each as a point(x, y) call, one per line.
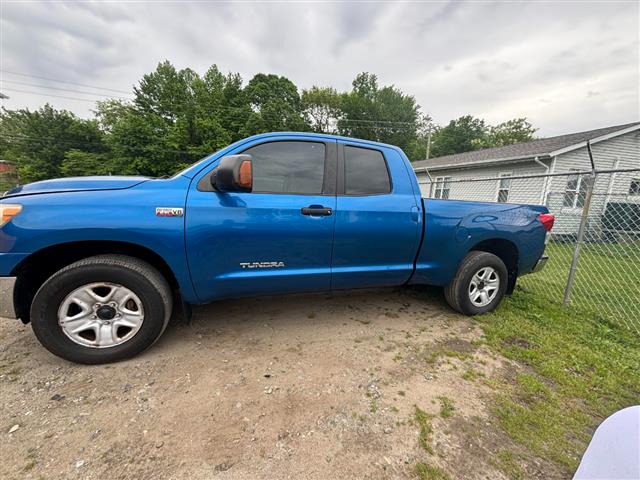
point(97, 264)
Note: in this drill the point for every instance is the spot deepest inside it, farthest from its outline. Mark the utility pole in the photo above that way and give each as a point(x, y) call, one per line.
point(428, 142)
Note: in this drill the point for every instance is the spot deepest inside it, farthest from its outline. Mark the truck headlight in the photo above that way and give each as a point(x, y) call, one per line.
point(8, 211)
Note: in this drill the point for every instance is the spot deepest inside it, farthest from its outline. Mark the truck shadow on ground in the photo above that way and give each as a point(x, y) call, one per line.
point(295, 311)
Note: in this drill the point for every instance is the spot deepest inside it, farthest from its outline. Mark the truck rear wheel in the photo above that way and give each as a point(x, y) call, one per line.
point(479, 284)
point(101, 309)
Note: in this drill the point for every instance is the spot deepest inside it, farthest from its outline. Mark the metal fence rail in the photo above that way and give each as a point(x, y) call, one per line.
point(594, 248)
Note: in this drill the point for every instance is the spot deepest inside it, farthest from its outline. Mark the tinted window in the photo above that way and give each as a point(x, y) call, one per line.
point(288, 167)
point(365, 172)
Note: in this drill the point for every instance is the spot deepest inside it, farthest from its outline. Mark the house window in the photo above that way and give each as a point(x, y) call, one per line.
point(634, 188)
point(504, 185)
point(442, 187)
point(575, 191)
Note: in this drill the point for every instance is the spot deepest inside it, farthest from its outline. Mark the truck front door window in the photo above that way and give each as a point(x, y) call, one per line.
point(288, 167)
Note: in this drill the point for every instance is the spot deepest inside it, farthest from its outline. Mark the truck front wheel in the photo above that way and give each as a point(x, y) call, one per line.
point(479, 284)
point(101, 309)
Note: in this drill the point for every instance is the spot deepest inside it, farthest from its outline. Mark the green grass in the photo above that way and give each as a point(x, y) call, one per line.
point(446, 407)
point(607, 280)
point(579, 368)
point(423, 420)
point(506, 462)
point(472, 374)
point(424, 471)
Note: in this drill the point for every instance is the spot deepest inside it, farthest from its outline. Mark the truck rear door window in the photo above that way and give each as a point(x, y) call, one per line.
point(288, 167)
point(365, 172)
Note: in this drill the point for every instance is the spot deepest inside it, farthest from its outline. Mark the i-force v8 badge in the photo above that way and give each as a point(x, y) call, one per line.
point(169, 212)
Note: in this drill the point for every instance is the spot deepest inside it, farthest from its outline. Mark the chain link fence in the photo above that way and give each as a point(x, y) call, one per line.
point(594, 248)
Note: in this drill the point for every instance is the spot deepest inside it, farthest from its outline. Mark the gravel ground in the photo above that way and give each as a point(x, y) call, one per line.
point(304, 386)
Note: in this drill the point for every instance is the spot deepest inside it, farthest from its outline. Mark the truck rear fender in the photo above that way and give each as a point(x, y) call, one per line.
point(454, 228)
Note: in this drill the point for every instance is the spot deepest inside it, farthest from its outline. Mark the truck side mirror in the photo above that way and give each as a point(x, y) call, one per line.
point(233, 174)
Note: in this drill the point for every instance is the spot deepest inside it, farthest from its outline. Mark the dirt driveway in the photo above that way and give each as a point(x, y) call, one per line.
point(308, 386)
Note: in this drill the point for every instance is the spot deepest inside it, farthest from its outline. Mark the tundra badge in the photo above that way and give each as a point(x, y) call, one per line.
point(262, 264)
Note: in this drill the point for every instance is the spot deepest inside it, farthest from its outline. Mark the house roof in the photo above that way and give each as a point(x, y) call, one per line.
point(544, 147)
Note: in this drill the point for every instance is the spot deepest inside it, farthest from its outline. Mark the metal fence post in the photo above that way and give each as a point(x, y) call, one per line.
point(591, 180)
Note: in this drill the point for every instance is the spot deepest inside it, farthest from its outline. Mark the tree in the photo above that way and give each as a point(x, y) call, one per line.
point(77, 163)
point(275, 105)
point(38, 141)
point(176, 118)
point(417, 148)
point(321, 109)
point(381, 114)
point(513, 131)
point(468, 133)
point(461, 135)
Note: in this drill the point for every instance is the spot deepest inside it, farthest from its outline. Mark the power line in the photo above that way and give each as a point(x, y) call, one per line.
point(271, 115)
point(55, 139)
point(64, 81)
point(96, 144)
point(355, 120)
point(47, 87)
point(52, 96)
point(219, 108)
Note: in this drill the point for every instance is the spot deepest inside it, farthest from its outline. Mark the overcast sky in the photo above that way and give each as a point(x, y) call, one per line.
point(567, 66)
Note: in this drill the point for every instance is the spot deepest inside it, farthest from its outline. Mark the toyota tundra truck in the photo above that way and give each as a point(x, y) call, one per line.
point(97, 264)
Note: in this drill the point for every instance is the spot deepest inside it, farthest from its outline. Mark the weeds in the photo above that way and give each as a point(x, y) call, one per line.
point(446, 407)
point(424, 471)
point(582, 368)
point(423, 420)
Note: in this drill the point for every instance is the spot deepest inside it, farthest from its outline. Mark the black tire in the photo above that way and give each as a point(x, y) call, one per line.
point(457, 291)
point(136, 275)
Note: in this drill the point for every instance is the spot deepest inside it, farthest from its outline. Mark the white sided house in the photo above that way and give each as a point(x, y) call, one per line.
point(557, 169)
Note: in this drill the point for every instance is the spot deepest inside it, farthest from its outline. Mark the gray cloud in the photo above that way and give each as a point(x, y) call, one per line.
point(542, 60)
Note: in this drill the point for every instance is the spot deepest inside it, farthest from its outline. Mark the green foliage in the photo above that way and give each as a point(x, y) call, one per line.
point(425, 471)
point(582, 368)
point(462, 135)
point(507, 463)
point(513, 131)
point(468, 133)
point(77, 163)
point(321, 109)
point(381, 114)
point(38, 141)
point(423, 420)
point(446, 407)
point(275, 105)
point(178, 117)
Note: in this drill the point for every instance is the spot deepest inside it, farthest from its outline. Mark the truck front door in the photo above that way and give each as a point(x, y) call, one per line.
point(275, 239)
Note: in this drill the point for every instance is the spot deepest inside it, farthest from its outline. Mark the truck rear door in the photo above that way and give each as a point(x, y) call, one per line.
point(378, 218)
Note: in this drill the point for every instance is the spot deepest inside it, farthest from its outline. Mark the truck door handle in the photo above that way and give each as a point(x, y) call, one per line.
point(316, 211)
